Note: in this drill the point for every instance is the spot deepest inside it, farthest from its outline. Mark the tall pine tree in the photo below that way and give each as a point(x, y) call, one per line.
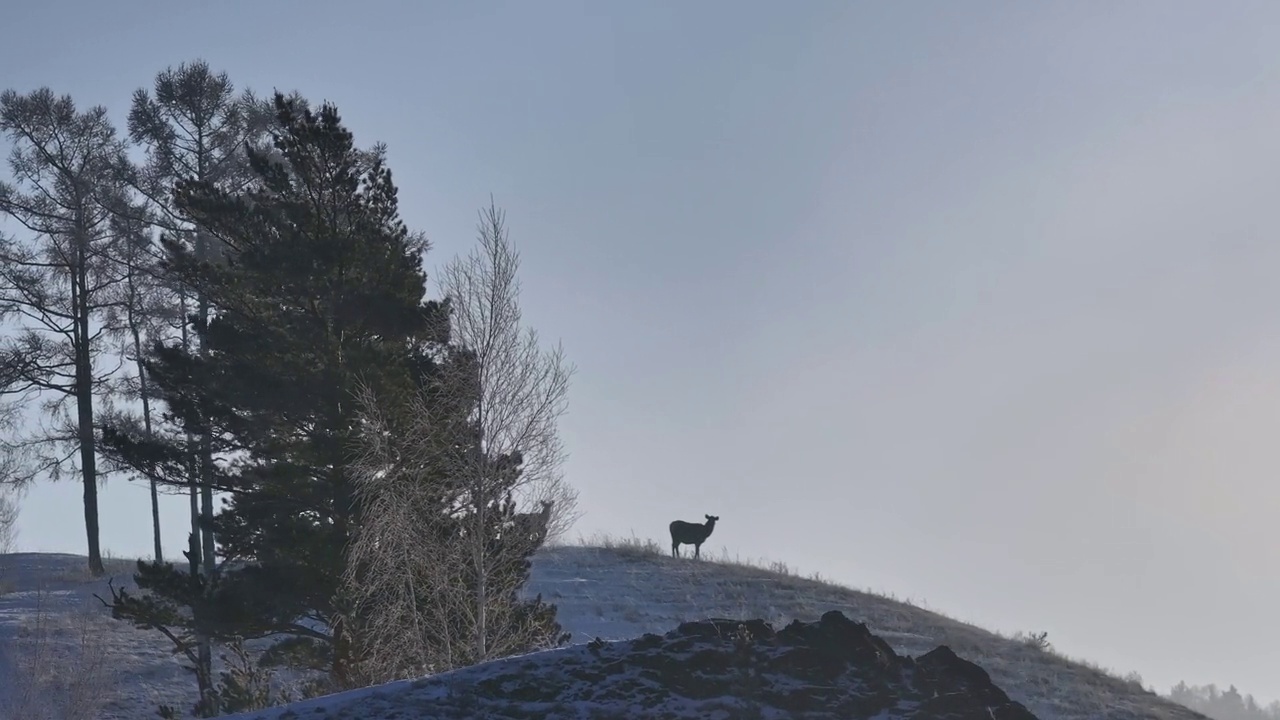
point(322, 290)
point(194, 127)
point(58, 282)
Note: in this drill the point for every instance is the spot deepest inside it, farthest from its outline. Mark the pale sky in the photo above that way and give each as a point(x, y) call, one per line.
point(974, 303)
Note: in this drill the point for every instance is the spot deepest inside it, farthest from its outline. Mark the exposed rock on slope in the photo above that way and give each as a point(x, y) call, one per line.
point(833, 668)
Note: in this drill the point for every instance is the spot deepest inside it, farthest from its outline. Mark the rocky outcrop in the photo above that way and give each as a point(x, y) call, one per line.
point(832, 668)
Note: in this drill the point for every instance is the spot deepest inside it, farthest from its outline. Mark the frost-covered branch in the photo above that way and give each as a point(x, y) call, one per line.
point(440, 558)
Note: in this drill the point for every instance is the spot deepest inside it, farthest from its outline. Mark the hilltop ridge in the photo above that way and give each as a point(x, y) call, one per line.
point(618, 592)
point(631, 588)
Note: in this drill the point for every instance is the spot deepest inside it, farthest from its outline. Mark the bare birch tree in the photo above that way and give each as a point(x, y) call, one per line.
point(520, 392)
point(521, 388)
point(403, 565)
point(442, 552)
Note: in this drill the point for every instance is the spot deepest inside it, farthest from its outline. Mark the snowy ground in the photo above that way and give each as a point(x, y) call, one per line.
point(58, 641)
point(625, 591)
point(62, 656)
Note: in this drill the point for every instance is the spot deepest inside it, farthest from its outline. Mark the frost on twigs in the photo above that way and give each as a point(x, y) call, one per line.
point(459, 482)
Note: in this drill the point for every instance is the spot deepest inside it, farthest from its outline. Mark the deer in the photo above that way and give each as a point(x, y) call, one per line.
point(533, 526)
point(687, 533)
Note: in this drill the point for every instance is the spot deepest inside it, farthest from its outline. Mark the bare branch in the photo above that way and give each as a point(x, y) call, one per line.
point(436, 566)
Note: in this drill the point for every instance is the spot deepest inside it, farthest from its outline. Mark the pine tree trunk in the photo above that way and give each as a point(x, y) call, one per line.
point(84, 410)
point(207, 706)
point(195, 550)
point(193, 480)
point(87, 462)
point(155, 519)
point(194, 495)
point(344, 665)
point(205, 465)
point(206, 438)
point(146, 423)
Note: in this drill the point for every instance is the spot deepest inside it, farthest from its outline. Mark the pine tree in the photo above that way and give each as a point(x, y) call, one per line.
point(322, 289)
point(59, 281)
point(140, 315)
point(194, 127)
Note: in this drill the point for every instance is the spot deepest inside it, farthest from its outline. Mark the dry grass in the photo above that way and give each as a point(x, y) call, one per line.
point(57, 667)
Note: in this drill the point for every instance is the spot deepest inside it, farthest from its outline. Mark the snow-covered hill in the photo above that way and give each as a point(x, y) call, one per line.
point(57, 641)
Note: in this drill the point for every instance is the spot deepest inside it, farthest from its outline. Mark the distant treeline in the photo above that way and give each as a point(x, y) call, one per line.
point(1219, 704)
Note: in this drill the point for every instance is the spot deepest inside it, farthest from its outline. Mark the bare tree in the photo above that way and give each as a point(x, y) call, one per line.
point(402, 567)
point(437, 565)
point(521, 388)
point(58, 283)
point(520, 391)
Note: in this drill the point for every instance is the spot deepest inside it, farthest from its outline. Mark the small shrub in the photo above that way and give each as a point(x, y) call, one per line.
point(244, 685)
point(1037, 641)
point(1135, 679)
point(49, 678)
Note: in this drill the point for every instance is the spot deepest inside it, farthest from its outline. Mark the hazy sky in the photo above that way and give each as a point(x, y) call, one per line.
point(975, 303)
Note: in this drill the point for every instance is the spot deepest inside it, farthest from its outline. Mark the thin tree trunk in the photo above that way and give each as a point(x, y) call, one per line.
point(341, 670)
point(206, 471)
point(146, 404)
point(206, 438)
point(146, 423)
point(193, 480)
point(195, 547)
point(478, 555)
point(205, 461)
point(84, 408)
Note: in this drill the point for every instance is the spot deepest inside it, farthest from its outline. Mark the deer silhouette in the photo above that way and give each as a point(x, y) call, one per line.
point(687, 533)
point(533, 526)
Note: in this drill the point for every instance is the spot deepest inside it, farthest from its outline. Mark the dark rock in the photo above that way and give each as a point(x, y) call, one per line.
point(832, 668)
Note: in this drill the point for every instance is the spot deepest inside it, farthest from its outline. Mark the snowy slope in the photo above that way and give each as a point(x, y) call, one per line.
point(613, 594)
point(620, 593)
point(829, 669)
point(62, 656)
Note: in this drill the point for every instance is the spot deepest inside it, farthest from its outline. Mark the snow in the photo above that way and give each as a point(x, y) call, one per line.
point(60, 646)
point(612, 593)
